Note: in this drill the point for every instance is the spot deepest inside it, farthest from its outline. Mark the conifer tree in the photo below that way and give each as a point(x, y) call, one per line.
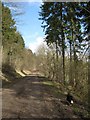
point(12, 41)
point(52, 15)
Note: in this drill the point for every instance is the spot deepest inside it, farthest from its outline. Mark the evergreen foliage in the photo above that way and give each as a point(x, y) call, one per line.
point(12, 41)
point(67, 26)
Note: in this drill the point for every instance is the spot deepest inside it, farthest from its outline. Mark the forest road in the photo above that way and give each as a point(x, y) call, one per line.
point(30, 98)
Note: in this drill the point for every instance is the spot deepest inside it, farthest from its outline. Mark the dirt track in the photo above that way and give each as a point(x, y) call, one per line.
point(29, 98)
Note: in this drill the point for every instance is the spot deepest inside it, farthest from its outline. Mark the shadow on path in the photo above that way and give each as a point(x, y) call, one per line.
point(30, 97)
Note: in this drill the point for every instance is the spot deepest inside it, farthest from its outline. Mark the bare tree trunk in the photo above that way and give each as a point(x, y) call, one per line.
point(75, 66)
point(63, 46)
point(70, 70)
point(1, 48)
point(56, 61)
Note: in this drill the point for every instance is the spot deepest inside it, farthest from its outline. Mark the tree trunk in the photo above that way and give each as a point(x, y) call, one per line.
point(1, 48)
point(75, 66)
point(63, 46)
point(56, 61)
point(70, 70)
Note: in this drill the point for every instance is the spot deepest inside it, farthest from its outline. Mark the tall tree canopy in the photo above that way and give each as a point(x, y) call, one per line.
point(65, 24)
point(12, 41)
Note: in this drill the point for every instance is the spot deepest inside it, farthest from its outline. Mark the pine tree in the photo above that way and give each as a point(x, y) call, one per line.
point(12, 41)
point(52, 14)
point(73, 35)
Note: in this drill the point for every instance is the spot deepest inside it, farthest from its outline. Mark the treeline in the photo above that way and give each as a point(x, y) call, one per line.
point(67, 27)
point(66, 59)
point(14, 53)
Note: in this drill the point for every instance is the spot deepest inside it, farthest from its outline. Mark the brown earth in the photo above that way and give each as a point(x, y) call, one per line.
point(30, 98)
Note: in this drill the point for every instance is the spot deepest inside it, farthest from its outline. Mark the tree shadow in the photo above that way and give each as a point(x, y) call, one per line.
point(9, 78)
point(32, 88)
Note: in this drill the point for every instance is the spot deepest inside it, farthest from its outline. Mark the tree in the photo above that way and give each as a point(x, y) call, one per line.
point(74, 36)
point(66, 25)
point(12, 41)
point(53, 14)
point(0, 38)
point(8, 30)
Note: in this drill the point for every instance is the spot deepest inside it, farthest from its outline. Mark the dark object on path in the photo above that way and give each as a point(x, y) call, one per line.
point(70, 98)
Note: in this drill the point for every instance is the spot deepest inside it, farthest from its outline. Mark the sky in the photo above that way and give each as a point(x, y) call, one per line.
point(29, 25)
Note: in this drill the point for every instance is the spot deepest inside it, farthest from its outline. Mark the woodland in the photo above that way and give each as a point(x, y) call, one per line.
point(65, 60)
